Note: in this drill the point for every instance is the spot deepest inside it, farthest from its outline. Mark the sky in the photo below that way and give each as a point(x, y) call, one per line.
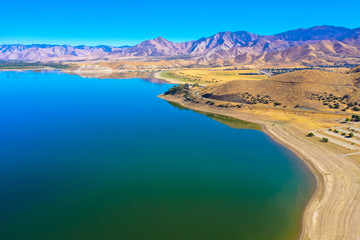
point(118, 23)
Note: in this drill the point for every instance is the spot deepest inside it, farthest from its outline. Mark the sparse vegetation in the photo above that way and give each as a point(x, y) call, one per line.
point(213, 75)
point(277, 71)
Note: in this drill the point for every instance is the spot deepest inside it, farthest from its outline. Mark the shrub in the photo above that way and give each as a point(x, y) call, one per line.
point(310, 134)
point(347, 119)
point(325, 140)
point(355, 118)
point(351, 135)
point(177, 89)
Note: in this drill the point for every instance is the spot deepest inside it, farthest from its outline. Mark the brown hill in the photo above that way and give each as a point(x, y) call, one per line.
point(309, 89)
point(316, 54)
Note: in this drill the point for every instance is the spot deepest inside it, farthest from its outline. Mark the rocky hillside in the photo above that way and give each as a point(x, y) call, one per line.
point(317, 45)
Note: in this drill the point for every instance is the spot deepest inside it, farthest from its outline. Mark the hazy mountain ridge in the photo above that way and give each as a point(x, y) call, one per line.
point(46, 52)
point(320, 44)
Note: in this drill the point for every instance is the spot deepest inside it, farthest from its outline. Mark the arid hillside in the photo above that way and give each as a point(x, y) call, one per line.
point(306, 89)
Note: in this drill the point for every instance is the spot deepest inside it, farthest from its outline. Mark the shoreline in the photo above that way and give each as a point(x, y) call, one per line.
point(319, 181)
point(157, 75)
point(333, 211)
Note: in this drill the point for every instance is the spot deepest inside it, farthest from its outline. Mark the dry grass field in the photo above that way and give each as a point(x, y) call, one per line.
point(307, 89)
point(213, 75)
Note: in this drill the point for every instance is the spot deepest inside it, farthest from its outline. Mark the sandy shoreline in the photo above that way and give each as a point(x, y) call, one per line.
point(169, 80)
point(334, 210)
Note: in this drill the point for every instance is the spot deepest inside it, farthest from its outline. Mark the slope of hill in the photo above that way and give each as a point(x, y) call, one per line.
point(310, 89)
point(315, 33)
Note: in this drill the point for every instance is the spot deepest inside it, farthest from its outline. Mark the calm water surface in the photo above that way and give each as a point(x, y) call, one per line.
point(107, 159)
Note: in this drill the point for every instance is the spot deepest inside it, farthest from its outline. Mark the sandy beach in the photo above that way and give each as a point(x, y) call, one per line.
point(333, 213)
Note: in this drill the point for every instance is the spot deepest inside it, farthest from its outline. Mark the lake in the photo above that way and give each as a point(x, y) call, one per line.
point(87, 158)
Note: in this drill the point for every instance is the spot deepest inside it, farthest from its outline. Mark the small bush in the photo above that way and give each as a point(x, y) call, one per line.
point(325, 140)
point(355, 118)
point(310, 134)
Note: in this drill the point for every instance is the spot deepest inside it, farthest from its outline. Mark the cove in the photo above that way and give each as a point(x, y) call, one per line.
point(87, 158)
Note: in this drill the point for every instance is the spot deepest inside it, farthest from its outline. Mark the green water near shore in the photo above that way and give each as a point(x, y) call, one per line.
point(107, 159)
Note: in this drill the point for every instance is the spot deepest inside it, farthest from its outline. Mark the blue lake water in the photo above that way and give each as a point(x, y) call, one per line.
point(84, 158)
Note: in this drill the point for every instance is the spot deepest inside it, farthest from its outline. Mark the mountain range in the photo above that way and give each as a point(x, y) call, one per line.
point(320, 45)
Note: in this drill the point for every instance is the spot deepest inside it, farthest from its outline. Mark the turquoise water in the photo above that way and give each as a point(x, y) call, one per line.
point(107, 159)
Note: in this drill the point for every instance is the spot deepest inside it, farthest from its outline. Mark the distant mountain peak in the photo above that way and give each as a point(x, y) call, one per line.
point(225, 45)
point(160, 40)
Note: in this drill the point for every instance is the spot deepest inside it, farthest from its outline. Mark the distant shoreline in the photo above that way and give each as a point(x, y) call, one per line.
point(330, 200)
point(28, 69)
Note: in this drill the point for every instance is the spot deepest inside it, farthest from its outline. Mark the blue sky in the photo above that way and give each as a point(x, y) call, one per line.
point(117, 23)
